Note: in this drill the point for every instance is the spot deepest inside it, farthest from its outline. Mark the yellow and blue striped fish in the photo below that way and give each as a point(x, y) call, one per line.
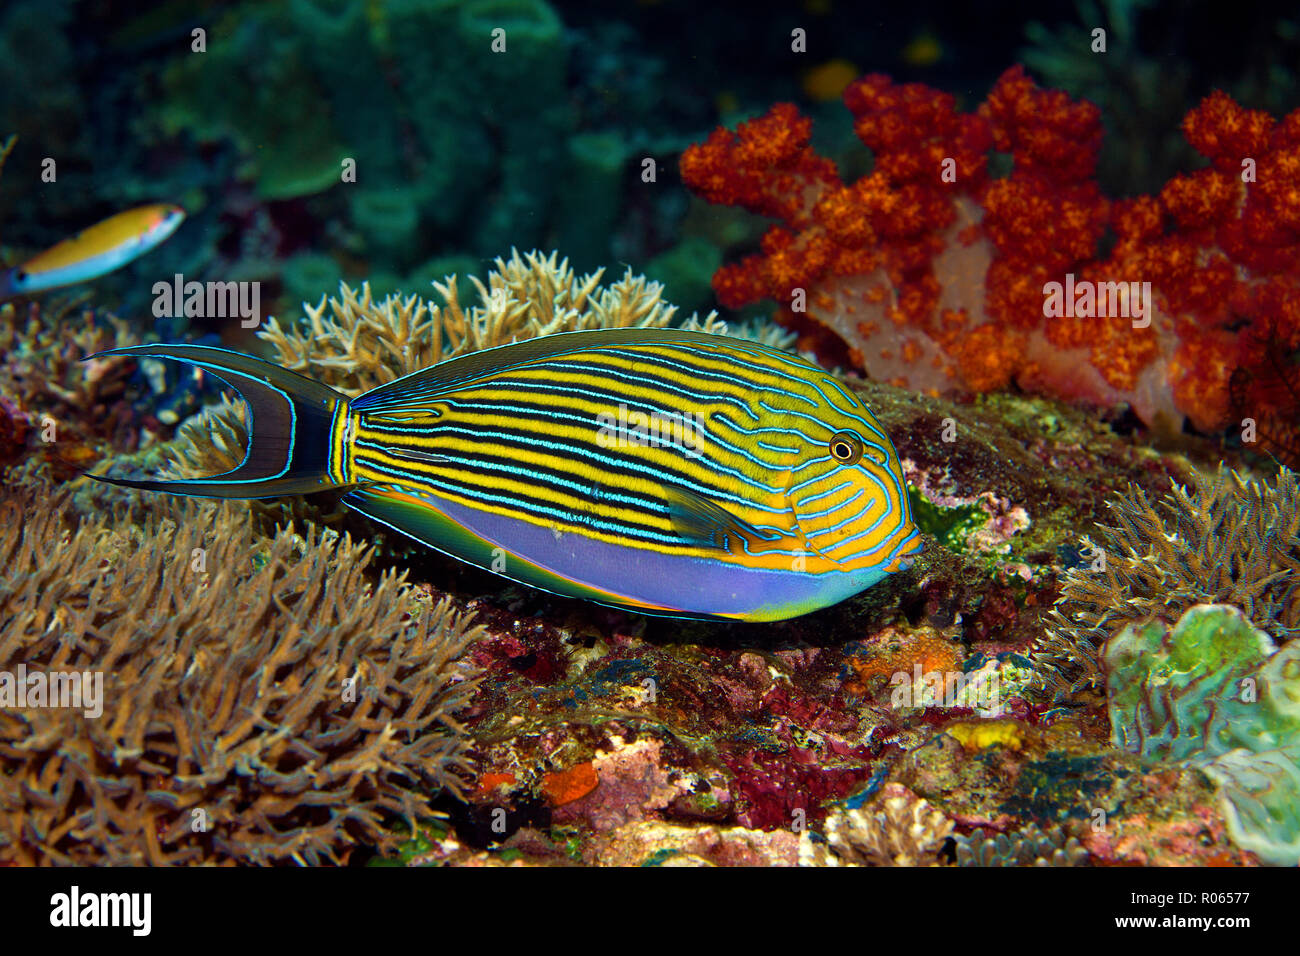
point(660, 470)
point(95, 251)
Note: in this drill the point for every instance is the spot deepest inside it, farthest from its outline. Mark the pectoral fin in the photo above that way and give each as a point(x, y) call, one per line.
point(704, 523)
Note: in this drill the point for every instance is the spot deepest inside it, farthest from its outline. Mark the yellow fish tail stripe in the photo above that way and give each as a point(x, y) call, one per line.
point(338, 466)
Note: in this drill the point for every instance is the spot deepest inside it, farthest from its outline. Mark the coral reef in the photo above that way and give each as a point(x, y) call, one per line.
point(932, 272)
point(257, 687)
point(258, 700)
point(1144, 80)
point(905, 830)
point(608, 738)
point(1030, 846)
point(1234, 541)
point(1215, 691)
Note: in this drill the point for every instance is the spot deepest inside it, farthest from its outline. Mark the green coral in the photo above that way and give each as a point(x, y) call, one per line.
point(594, 184)
point(254, 84)
point(501, 163)
point(1215, 691)
point(306, 274)
point(389, 219)
point(687, 269)
point(350, 72)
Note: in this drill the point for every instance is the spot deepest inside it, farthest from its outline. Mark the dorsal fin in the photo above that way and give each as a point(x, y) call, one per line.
point(426, 383)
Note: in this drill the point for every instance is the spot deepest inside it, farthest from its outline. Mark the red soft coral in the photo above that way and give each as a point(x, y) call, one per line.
point(936, 277)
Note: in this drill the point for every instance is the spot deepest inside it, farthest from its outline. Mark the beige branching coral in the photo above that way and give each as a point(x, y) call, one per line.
point(902, 830)
point(756, 330)
point(262, 700)
point(43, 352)
point(355, 343)
point(210, 442)
point(1235, 541)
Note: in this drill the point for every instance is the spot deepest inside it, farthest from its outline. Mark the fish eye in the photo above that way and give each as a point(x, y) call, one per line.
point(845, 448)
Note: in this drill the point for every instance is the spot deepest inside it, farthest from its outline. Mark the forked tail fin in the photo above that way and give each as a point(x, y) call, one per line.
point(290, 434)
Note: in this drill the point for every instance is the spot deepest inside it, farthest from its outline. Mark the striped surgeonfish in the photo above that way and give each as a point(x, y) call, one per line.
point(665, 471)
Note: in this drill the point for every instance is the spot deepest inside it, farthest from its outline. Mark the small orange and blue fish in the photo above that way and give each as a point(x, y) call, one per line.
point(659, 470)
point(95, 251)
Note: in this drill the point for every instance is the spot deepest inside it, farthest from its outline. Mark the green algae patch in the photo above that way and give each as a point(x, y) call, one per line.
point(951, 527)
point(420, 843)
point(661, 856)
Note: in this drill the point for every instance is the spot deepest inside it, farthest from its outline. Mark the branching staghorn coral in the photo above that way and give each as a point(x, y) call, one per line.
point(1029, 846)
point(43, 352)
point(756, 330)
point(1235, 541)
point(354, 343)
point(262, 702)
point(208, 443)
point(905, 830)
